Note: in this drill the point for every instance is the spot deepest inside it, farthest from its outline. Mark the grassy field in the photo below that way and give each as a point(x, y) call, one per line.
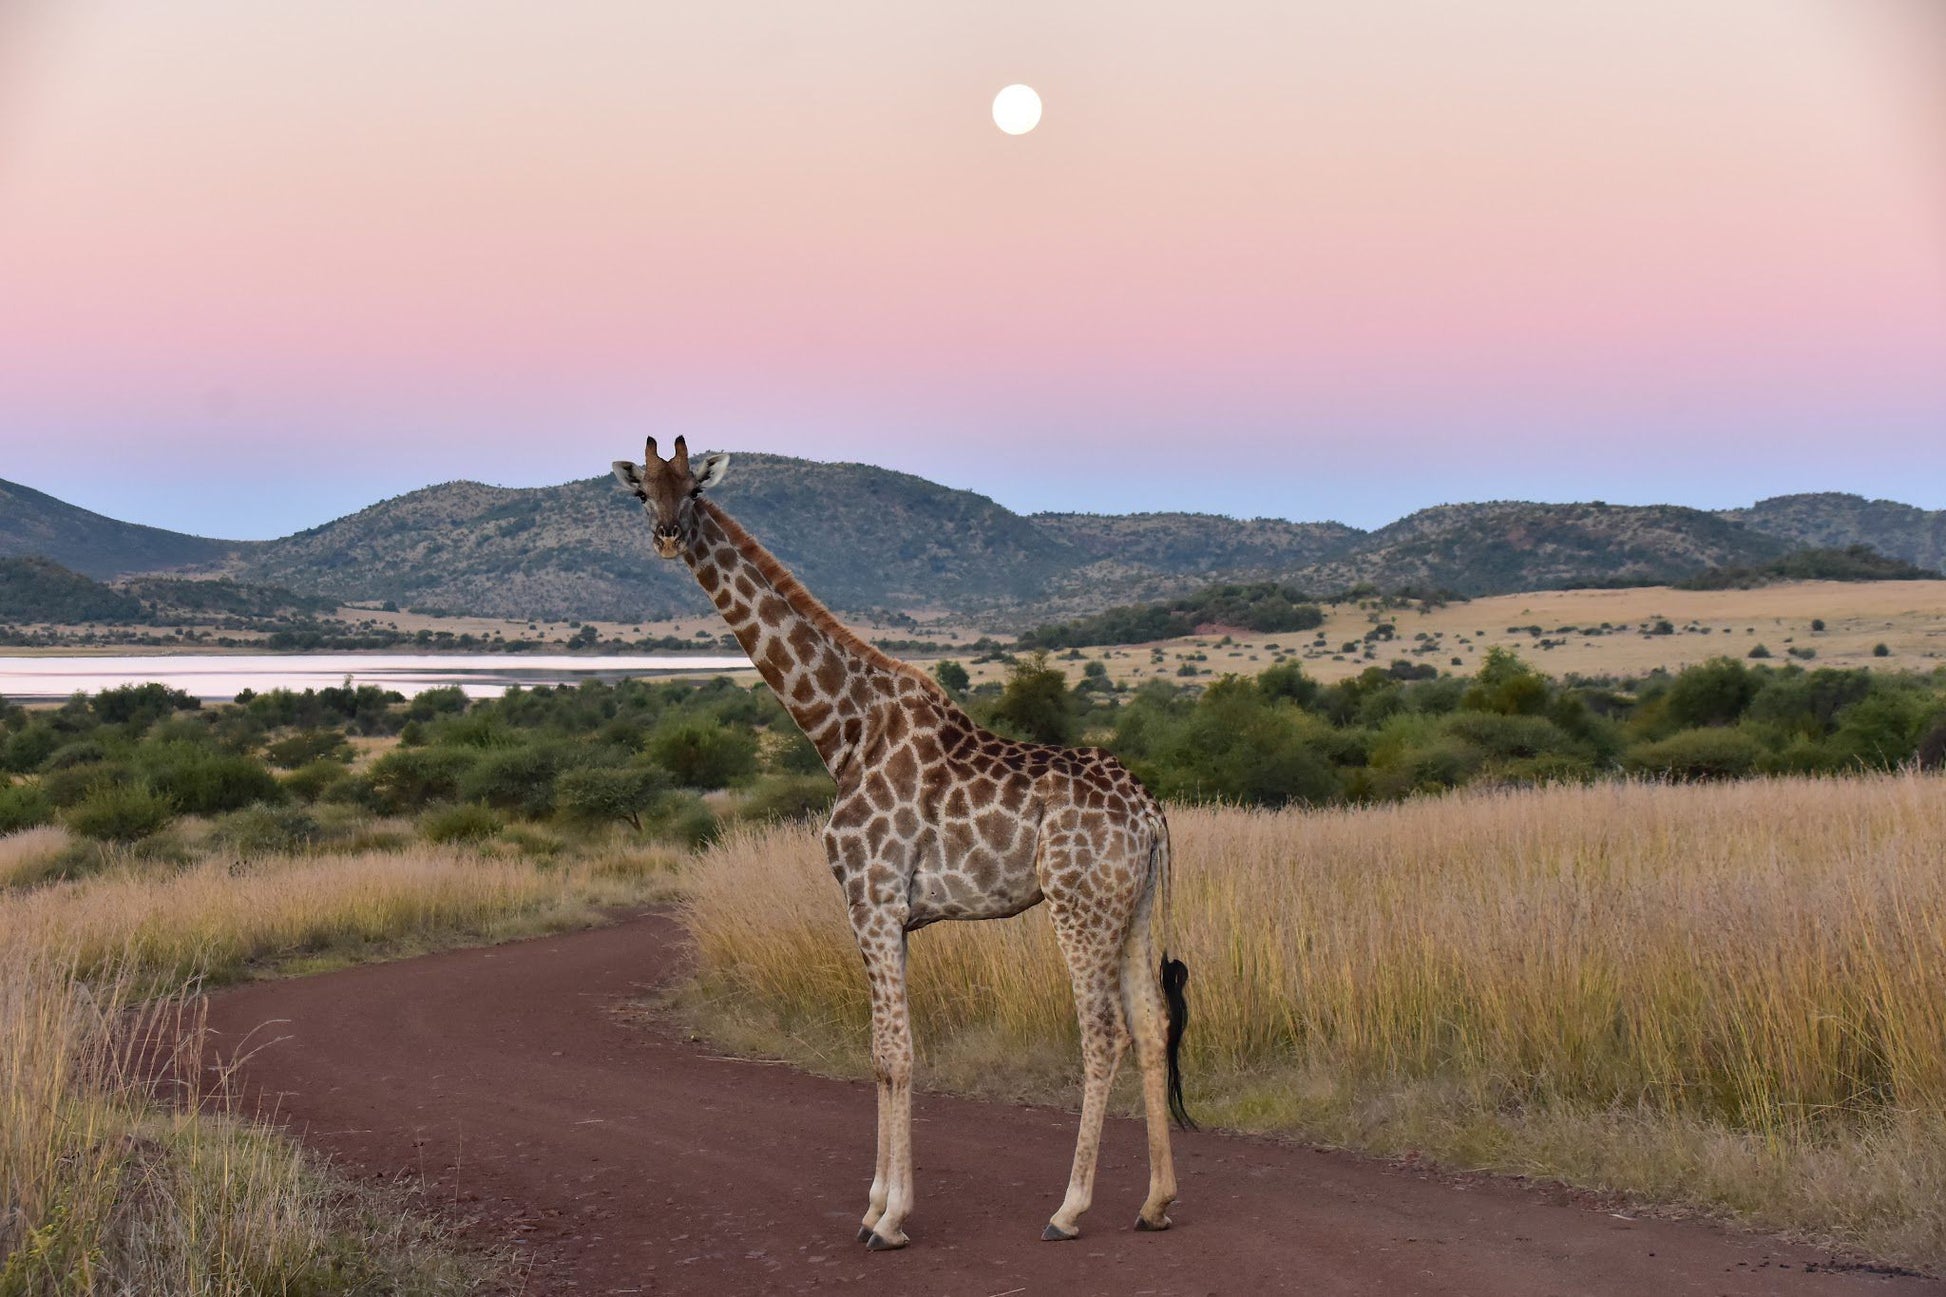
point(1727, 996)
point(1908, 617)
point(106, 1187)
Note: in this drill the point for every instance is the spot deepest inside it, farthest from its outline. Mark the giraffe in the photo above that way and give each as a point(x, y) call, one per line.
point(936, 818)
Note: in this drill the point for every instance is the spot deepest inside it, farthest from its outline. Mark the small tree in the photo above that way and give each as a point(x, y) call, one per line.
point(602, 794)
point(952, 676)
point(1036, 702)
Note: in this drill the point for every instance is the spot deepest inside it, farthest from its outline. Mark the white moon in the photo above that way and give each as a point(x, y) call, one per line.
point(1017, 110)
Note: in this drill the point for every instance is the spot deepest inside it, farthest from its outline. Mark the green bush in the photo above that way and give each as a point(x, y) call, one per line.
point(464, 822)
point(704, 753)
point(204, 782)
point(1036, 705)
point(306, 747)
point(313, 781)
point(405, 780)
point(1506, 737)
point(23, 806)
point(518, 780)
point(81, 752)
point(951, 676)
point(68, 787)
point(684, 819)
point(1696, 755)
point(788, 797)
point(1716, 692)
point(605, 794)
point(119, 812)
point(268, 830)
point(25, 749)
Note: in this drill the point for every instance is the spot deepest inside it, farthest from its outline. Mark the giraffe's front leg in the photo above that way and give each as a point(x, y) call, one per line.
point(881, 1175)
point(882, 941)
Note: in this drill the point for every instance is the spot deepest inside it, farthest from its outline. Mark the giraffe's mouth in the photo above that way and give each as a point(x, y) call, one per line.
point(668, 540)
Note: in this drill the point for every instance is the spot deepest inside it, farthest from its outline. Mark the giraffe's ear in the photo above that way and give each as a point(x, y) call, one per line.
point(715, 467)
point(629, 476)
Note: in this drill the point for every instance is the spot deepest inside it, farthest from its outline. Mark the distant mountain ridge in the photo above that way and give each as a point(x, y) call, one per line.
point(34, 524)
point(868, 539)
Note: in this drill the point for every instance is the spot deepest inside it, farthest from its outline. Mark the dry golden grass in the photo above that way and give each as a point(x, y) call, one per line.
point(28, 856)
point(1908, 617)
point(1726, 995)
point(103, 1189)
point(106, 1191)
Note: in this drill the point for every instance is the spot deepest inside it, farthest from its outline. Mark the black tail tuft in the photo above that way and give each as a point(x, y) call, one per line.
point(1175, 976)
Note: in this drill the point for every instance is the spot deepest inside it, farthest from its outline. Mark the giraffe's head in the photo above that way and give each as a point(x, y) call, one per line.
point(668, 490)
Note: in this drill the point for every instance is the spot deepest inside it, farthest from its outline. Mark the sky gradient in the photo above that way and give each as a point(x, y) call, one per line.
point(264, 264)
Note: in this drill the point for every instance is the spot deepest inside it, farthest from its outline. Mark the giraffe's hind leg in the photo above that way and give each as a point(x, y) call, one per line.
point(1148, 1021)
point(1090, 923)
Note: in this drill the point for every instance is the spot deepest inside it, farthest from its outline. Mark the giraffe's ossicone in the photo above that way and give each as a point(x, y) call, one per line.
point(936, 818)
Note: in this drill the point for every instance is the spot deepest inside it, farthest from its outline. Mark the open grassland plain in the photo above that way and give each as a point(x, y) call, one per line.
point(1730, 997)
point(1575, 632)
point(111, 1184)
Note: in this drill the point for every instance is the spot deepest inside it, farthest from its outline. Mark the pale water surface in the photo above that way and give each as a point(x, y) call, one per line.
point(224, 675)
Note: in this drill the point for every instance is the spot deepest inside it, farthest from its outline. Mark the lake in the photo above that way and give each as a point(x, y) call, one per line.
point(224, 675)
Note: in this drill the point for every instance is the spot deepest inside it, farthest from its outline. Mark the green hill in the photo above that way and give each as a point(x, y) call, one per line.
point(35, 524)
point(866, 539)
point(38, 590)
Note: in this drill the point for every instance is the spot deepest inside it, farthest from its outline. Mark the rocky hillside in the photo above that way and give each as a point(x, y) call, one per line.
point(34, 524)
point(866, 539)
point(1830, 520)
point(1502, 546)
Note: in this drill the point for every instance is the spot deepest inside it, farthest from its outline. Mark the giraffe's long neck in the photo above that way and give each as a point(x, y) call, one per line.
point(826, 677)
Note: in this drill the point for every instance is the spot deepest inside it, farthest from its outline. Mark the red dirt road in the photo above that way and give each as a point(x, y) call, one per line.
point(624, 1159)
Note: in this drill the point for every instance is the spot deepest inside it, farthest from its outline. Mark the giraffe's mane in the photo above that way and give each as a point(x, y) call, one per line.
point(806, 605)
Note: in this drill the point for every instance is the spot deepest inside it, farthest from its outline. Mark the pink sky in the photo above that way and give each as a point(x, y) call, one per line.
point(261, 264)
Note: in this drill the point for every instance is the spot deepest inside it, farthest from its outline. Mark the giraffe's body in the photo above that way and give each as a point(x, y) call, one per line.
point(936, 818)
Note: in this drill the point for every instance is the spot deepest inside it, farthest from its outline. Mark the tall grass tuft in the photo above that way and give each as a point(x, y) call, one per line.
point(1729, 994)
point(104, 1190)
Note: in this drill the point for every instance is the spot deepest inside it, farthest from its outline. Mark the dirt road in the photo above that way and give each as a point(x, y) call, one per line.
point(625, 1159)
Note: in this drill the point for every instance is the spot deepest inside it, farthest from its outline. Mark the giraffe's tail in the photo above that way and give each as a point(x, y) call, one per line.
point(1175, 978)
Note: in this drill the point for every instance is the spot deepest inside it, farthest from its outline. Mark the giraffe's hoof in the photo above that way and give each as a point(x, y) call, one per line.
point(879, 1243)
point(1148, 1226)
point(1055, 1234)
point(864, 1233)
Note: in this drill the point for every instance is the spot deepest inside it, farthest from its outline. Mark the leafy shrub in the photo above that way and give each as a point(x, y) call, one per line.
point(1506, 685)
point(684, 819)
point(70, 786)
point(310, 745)
point(519, 780)
point(1696, 755)
point(268, 830)
point(1716, 692)
point(788, 797)
point(951, 675)
point(204, 782)
point(1881, 650)
point(604, 794)
point(463, 822)
point(410, 779)
point(704, 753)
point(1035, 704)
point(25, 749)
point(314, 781)
point(119, 812)
point(1506, 737)
point(1758, 652)
point(81, 752)
point(23, 806)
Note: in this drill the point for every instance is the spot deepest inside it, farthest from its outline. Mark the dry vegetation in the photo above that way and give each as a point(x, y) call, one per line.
point(1908, 617)
point(1728, 996)
point(106, 1186)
